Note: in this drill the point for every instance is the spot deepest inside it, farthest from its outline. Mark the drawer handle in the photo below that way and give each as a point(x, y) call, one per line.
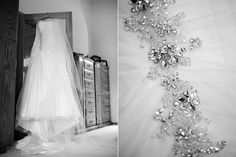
point(88, 65)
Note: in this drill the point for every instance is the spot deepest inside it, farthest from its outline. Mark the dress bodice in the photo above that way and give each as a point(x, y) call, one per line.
point(45, 30)
point(49, 32)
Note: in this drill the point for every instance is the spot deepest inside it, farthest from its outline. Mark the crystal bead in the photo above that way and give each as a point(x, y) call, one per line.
point(176, 103)
point(133, 10)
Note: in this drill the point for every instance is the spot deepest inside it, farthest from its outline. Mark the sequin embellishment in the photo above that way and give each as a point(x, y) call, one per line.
point(179, 115)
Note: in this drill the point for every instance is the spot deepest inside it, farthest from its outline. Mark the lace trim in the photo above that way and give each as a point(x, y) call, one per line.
point(179, 115)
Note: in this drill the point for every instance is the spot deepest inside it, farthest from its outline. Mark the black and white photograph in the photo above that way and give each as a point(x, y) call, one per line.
point(117, 78)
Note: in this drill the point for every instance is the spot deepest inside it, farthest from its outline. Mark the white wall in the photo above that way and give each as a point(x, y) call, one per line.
point(80, 16)
point(104, 41)
point(94, 30)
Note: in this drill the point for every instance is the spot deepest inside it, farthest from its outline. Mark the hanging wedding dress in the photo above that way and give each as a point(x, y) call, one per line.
point(143, 129)
point(49, 106)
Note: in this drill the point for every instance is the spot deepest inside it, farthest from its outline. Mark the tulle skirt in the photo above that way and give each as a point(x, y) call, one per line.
point(212, 73)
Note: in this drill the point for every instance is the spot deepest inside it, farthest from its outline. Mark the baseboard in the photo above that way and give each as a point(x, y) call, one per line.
point(96, 127)
point(114, 123)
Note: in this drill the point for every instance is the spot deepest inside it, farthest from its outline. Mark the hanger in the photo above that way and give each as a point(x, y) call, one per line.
point(46, 17)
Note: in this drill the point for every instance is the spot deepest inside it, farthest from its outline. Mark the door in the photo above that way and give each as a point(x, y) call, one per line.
point(8, 58)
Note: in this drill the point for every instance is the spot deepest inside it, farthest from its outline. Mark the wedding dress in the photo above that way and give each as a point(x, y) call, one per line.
point(212, 73)
point(49, 106)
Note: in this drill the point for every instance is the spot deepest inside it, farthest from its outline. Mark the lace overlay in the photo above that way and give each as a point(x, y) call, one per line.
point(179, 115)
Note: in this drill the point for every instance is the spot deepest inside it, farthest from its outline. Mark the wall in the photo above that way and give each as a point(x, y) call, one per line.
point(94, 30)
point(104, 41)
point(80, 16)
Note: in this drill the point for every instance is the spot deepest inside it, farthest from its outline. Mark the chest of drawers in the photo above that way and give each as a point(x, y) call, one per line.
point(102, 93)
point(94, 77)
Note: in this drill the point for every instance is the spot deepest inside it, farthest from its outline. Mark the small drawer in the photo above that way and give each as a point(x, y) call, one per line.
point(106, 118)
point(105, 73)
point(88, 83)
point(105, 79)
point(106, 101)
point(88, 64)
point(88, 74)
point(89, 93)
point(106, 108)
point(90, 112)
point(90, 122)
point(105, 70)
point(105, 85)
point(106, 113)
point(89, 102)
point(105, 93)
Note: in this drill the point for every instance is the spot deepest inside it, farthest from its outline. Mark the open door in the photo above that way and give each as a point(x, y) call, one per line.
point(8, 55)
point(26, 36)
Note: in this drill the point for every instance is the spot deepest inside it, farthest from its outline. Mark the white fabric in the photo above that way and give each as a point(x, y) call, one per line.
point(49, 104)
point(212, 73)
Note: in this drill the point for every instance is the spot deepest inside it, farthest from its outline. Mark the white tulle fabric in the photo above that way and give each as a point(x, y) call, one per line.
point(49, 105)
point(212, 73)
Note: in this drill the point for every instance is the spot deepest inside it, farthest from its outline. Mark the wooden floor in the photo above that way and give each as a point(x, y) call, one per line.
point(101, 142)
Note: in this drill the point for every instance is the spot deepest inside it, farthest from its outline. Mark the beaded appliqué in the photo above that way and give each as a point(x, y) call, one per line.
point(179, 115)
